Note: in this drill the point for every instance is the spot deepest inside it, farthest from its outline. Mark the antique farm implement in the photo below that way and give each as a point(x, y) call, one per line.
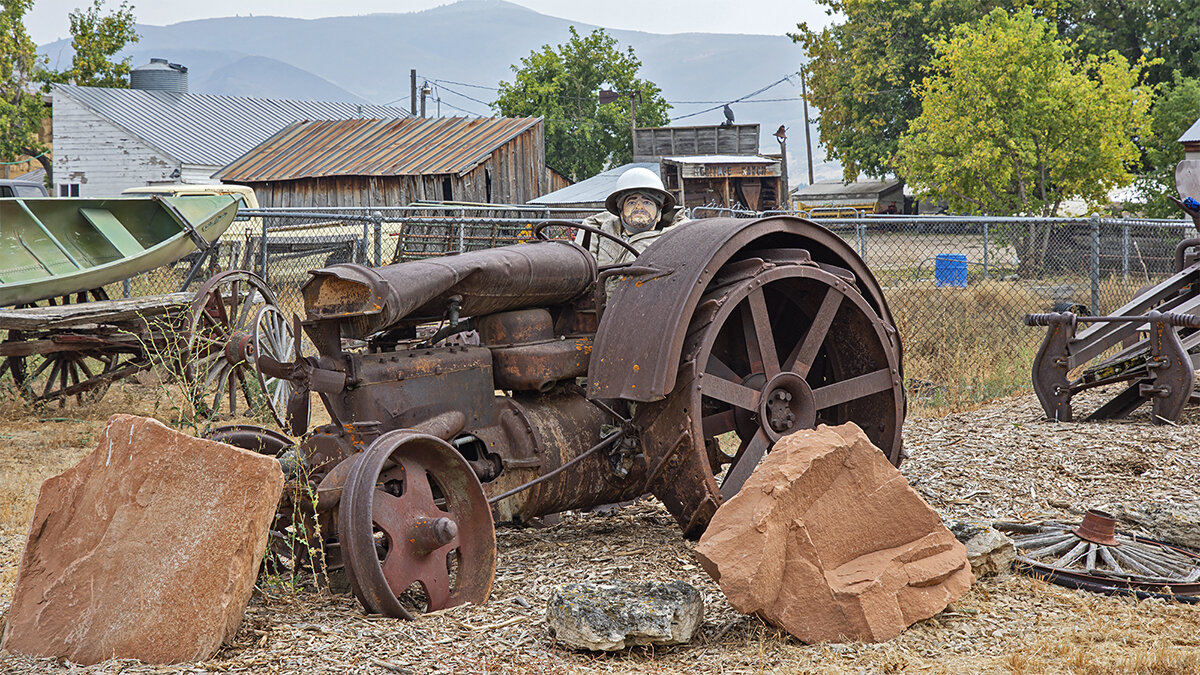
point(64, 336)
point(672, 375)
point(1158, 349)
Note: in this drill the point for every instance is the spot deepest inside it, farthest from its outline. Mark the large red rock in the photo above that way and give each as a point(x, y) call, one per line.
point(146, 549)
point(827, 540)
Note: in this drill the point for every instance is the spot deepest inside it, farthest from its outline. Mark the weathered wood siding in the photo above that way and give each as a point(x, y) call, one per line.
point(657, 142)
point(514, 174)
point(101, 157)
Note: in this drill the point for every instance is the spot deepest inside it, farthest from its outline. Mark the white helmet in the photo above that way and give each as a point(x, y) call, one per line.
point(642, 180)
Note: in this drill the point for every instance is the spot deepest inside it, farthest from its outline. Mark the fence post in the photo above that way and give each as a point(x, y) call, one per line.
point(861, 232)
point(377, 220)
point(461, 237)
point(1095, 227)
point(1125, 250)
point(986, 258)
point(262, 252)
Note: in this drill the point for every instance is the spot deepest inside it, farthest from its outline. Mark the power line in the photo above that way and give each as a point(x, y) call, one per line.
point(776, 83)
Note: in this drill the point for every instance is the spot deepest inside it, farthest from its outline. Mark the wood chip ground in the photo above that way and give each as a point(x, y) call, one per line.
point(1000, 461)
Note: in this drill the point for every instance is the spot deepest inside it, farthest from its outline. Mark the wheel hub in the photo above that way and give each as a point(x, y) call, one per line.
point(786, 405)
point(240, 348)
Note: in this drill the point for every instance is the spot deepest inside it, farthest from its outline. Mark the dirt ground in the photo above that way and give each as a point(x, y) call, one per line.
point(999, 461)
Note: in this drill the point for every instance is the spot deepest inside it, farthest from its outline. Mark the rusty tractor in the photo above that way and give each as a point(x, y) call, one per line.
point(672, 376)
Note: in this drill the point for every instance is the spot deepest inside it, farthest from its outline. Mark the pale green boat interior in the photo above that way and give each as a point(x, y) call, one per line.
point(54, 246)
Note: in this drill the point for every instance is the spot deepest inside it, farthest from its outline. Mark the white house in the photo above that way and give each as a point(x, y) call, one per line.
point(106, 140)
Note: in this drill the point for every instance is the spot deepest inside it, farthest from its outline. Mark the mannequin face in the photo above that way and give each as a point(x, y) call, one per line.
point(639, 212)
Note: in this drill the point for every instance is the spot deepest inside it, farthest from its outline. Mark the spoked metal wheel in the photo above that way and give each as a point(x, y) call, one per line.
point(414, 527)
point(272, 335)
point(82, 375)
point(789, 348)
point(219, 351)
point(1093, 556)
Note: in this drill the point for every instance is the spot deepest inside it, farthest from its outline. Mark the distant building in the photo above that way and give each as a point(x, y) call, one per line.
point(835, 199)
point(394, 162)
point(701, 165)
point(106, 140)
point(1191, 141)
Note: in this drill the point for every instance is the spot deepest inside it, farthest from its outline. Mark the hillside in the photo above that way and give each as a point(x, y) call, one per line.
point(471, 42)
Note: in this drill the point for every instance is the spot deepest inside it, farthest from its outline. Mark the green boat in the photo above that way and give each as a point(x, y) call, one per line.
point(59, 246)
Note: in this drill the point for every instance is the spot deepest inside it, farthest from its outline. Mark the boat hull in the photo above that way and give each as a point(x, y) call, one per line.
point(57, 246)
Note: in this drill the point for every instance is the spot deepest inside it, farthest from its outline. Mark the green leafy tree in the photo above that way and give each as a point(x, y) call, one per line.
point(1174, 111)
point(561, 84)
point(1013, 122)
point(21, 106)
point(863, 68)
point(1167, 32)
point(96, 38)
point(861, 73)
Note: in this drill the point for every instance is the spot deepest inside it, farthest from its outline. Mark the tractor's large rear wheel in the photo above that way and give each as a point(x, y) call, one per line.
point(785, 349)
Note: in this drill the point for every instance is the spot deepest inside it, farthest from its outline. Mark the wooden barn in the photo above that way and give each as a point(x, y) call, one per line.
point(395, 162)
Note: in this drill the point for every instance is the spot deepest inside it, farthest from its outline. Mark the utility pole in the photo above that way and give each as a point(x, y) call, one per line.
point(412, 106)
point(807, 136)
point(633, 95)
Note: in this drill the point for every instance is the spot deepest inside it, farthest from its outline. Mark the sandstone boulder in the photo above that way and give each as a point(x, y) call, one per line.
point(990, 551)
point(146, 549)
point(615, 615)
point(827, 541)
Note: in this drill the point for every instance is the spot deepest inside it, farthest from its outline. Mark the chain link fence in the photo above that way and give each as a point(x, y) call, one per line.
point(959, 287)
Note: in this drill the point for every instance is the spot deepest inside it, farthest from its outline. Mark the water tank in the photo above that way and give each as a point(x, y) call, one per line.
point(158, 75)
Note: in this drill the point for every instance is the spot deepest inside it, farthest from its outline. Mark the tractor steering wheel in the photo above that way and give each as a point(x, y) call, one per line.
point(540, 229)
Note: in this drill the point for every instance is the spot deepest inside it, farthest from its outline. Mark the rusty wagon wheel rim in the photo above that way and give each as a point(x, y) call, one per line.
point(1094, 554)
point(412, 512)
point(793, 347)
point(219, 353)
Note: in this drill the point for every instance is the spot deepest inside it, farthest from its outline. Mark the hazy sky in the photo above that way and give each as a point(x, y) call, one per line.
point(48, 19)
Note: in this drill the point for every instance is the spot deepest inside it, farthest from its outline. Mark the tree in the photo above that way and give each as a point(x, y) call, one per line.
point(861, 73)
point(21, 107)
point(1167, 32)
point(862, 70)
point(561, 84)
point(95, 39)
point(1174, 111)
point(1013, 122)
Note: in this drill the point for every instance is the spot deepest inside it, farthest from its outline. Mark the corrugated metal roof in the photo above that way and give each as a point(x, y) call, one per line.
point(1192, 135)
point(592, 190)
point(388, 147)
point(722, 159)
point(205, 129)
point(839, 190)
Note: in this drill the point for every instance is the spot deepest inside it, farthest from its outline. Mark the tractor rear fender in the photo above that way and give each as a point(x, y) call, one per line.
point(641, 334)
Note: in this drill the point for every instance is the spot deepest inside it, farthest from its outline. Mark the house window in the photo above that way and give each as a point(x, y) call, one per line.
point(68, 189)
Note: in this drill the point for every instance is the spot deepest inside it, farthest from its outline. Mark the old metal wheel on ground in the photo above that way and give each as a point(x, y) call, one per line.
point(790, 348)
point(1095, 557)
point(219, 353)
point(415, 528)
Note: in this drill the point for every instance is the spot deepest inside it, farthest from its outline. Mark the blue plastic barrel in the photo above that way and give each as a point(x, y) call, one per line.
point(950, 269)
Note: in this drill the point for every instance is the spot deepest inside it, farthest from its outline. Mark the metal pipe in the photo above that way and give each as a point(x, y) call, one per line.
point(1095, 227)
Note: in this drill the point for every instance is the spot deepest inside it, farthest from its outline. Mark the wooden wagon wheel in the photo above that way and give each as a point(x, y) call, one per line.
point(219, 354)
point(82, 374)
